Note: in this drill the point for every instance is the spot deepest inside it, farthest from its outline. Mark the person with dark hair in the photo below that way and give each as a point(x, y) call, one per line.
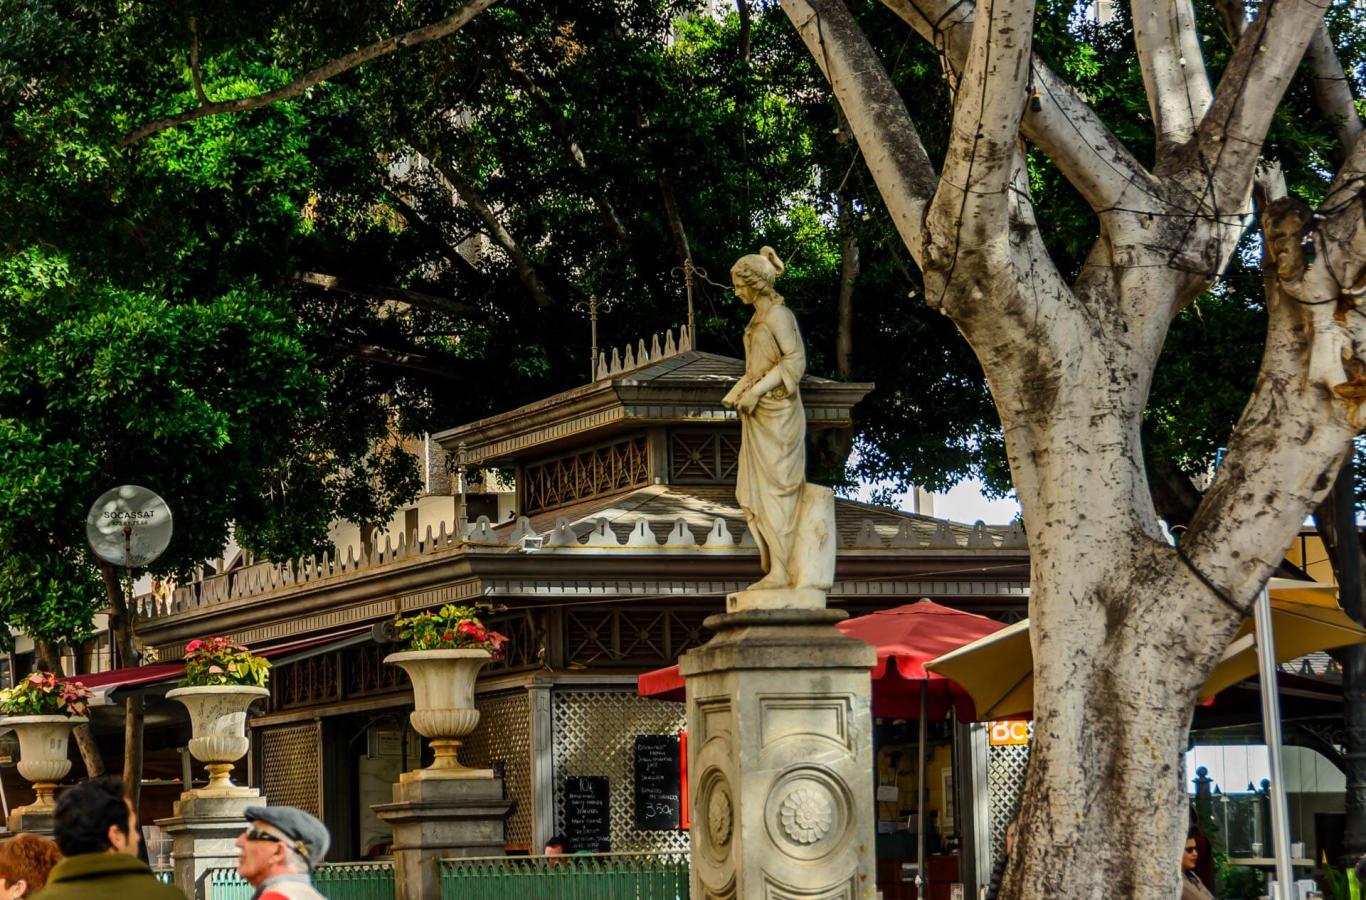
point(1192, 888)
point(97, 831)
point(26, 860)
point(557, 846)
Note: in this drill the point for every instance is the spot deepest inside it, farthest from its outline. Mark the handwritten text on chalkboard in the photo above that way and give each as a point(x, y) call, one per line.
point(658, 787)
point(587, 815)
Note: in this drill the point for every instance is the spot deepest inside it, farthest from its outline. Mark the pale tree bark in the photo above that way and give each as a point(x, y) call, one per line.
point(1124, 627)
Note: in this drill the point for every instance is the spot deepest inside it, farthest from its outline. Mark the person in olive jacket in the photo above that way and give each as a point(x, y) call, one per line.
point(97, 831)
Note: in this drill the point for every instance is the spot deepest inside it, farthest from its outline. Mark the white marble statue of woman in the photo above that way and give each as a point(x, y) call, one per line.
point(772, 470)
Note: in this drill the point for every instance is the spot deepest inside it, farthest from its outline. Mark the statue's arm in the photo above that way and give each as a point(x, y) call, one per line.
point(791, 365)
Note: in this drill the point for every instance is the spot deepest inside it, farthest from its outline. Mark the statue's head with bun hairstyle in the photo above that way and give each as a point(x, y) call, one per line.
point(757, 272)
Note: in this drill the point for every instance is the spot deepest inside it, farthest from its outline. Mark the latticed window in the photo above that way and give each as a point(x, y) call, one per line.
point(604, 469)
point(703, 457)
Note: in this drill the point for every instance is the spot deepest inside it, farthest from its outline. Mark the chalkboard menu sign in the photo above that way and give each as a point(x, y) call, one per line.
point(586, 813)
point(657, 782)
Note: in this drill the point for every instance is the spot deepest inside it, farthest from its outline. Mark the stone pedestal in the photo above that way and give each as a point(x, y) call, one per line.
point(202, 833)
point(436, 818)
point(780, 764)
point(31, 820)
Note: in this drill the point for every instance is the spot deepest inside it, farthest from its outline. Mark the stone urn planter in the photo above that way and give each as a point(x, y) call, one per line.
point(443, 705)
point(43, 742)
point(218, 724)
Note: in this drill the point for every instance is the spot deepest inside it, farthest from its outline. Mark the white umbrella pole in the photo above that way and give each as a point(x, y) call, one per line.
point(920, 879)
point(1271, 728)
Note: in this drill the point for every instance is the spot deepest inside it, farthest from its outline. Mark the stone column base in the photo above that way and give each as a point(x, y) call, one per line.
point(202, 833)
point(780, 758)
point(31, 819)
point(438, 818)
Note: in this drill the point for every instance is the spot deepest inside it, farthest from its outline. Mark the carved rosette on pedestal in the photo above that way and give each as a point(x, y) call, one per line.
point(782, 759)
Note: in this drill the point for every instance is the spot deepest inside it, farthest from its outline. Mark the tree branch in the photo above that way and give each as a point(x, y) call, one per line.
point(971, 206)
point(571, 145)
point(330, 70)
point(416, 360)
point(1065, 127)
point(1332, 91)
point(526, 271)
point(1218, 166)
point(1297, 427)
point(377, 292)
point(432, 234)
point(746, 26)
point(194, 62)
point(886, 134)
point(1173, 68)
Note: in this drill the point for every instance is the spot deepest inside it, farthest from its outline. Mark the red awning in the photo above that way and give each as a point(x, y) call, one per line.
point(906, 638)
point(159, 673)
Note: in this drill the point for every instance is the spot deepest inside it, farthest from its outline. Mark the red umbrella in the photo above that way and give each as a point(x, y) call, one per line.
point(906, 638)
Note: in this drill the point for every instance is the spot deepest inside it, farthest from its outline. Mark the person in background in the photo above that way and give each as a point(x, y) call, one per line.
point(97, 831)
point(1204, 869)
point(1192, 888)
point(557, 846)
point(26, 860)
point(278, 850)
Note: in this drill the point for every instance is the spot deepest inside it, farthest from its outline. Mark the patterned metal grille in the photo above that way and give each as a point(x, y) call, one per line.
point(305, 683)
point(702, 457)
point(595, 734)
point(578, 476)
point(1005, 785)
point(291, 761)
point(364, 672)
point(504, 735)
point(634, 637)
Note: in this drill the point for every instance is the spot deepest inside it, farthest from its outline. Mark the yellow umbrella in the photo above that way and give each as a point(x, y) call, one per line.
point(997, 671)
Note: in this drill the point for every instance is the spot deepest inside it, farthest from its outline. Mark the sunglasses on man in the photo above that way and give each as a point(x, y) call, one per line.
point(257, 834)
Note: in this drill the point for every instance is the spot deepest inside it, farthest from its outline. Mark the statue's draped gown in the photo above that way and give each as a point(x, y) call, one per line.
point(772, 466)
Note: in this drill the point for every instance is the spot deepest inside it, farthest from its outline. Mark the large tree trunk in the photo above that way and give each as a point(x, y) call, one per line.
point(125, 648)
point(1124, 627)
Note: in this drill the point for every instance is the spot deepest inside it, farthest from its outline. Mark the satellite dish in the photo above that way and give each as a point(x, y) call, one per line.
point(128, 526)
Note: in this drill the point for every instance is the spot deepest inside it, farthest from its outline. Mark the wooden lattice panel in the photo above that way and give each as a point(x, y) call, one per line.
point(703, 457)
point(632, 637)
point(504, 735)
point(291, 766)
point(595, 733)
point(605, 469)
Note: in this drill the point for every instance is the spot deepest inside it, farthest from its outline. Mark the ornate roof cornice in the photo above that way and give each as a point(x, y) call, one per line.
point(685, 388)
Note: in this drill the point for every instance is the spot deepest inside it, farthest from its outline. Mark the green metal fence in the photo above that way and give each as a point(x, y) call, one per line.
point(596, 876)
point(335, 881)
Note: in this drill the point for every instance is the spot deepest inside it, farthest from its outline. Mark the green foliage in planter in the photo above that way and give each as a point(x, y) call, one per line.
point(44, 694)
point(450, 628)
point(218, 661)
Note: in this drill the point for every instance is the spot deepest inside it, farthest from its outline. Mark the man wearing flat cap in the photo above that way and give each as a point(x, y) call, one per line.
point(278, 850)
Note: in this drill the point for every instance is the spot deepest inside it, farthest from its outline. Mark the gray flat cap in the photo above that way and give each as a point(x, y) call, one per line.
point(310, 835)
